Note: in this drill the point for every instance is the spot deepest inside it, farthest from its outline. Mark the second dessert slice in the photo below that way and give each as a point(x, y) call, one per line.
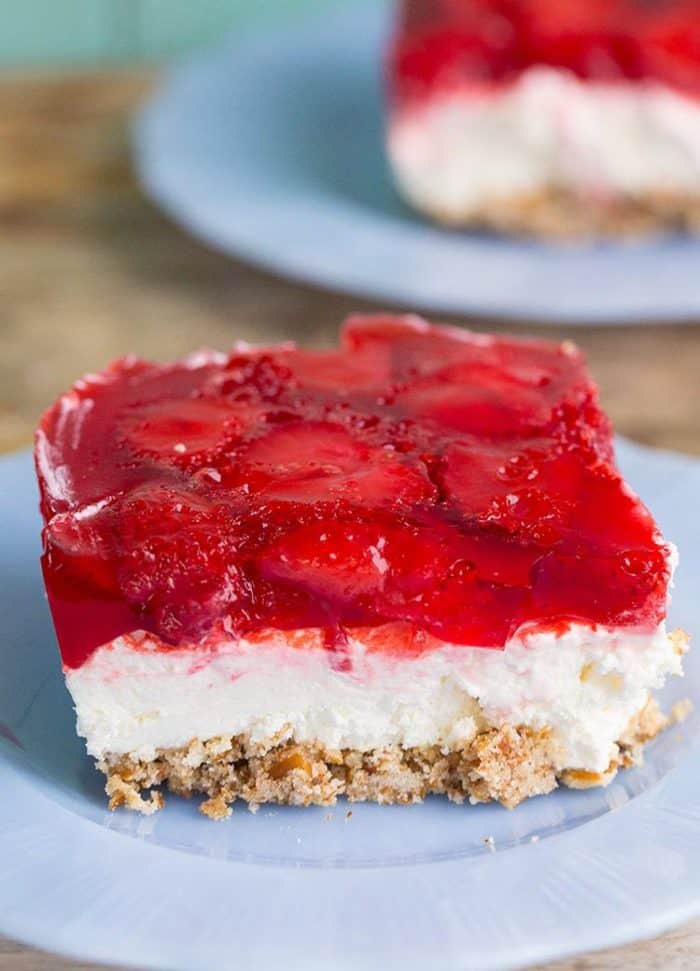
point(548, 117)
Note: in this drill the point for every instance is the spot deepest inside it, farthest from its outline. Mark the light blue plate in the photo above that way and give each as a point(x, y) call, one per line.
point(271, 149)
point(389, 887)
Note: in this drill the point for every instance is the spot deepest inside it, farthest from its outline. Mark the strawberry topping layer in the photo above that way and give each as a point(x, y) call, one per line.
point(457, 484)
point(442, 45)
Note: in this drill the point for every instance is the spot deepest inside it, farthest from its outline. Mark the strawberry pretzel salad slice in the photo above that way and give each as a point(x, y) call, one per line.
point(405, 566)
point(553, 118)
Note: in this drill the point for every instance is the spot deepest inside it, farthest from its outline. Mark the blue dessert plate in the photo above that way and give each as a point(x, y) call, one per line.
point(353, 887)
point(269, 147)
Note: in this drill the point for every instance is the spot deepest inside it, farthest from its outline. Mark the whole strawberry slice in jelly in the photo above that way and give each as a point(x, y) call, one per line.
point(322, 462)
point(623, 579)
point(342, 374)
point(475, 400)
point(180, 430)
point(532, 492)
point(340, 562)
point(408, 345)
point(545, 495)
point(177, 560)
point(362, 570)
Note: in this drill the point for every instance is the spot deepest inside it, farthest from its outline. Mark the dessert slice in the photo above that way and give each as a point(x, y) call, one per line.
point(402, 567)
point(552, 117)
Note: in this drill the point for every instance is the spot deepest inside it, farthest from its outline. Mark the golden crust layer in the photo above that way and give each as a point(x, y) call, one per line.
point(553, 213)
point(506, 764)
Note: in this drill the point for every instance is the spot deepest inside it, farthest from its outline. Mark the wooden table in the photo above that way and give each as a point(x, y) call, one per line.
point(90, 270)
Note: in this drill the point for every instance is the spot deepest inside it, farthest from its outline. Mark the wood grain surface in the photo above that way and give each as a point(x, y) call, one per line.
point(90, 270)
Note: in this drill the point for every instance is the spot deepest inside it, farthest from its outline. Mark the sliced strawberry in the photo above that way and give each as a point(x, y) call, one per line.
point(382, 564)
point(629, 584)
point(321, 462)
point(341, 374)
point(410, 344)
point(478, 614)
point(547, 496)
point(531, 492)
point(477, 409)
point(608, 516)
point(83, 540)
point(497, 560)
point(454, 585)
point(181, 430)
point(300, 450)
point(339, 562)
point(178, 561)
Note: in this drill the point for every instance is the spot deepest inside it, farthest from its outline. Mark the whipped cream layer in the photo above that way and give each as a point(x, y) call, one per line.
point(459, 150)
point(134, 696)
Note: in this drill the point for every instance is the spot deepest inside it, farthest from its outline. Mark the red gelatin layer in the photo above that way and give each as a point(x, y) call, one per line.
point(442, 45)
point(461, 484)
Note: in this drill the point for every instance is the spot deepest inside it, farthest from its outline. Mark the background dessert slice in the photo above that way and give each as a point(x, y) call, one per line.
point(550, 118)
point(408, 565)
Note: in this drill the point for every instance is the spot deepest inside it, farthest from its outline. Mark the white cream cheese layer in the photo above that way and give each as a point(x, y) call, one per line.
point(549, 129)
point(584, 685)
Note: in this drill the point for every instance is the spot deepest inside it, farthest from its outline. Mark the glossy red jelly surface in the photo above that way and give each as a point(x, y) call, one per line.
point(461, 484)
point(446, 44)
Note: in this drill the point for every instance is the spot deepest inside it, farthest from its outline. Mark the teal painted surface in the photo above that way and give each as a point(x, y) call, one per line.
point(170, 26)
point(45, 32)
point(38, 30)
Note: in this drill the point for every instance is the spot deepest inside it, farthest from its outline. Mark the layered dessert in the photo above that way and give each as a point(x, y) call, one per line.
point(548, 117)
point(405, 566)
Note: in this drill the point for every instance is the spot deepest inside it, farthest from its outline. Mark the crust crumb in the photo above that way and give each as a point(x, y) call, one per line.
point(216, 808)
point(512, 764)
point(681, 710)
point(680, 640)
point(124, 793)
